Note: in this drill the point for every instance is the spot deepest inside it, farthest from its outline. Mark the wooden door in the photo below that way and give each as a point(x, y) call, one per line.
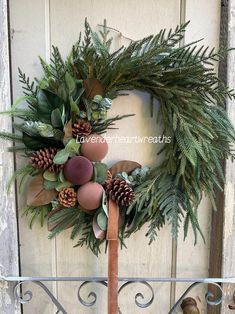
point(35, 26)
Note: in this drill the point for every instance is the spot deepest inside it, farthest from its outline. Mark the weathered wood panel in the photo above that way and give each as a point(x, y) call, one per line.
point(193, 261)
point(30, 33)
point(8, 223)
point(228, 255)
point(137, 19)
point(35, 26)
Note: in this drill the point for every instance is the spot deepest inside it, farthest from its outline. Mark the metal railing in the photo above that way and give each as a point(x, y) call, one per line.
point(140, 299)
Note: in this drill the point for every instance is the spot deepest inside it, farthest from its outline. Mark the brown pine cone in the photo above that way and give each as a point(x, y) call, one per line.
point(119, 191)
point(68, 197)
point(81, 128)
point(43, 159)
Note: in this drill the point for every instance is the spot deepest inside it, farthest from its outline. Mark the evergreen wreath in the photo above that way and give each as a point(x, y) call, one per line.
point(70, 185)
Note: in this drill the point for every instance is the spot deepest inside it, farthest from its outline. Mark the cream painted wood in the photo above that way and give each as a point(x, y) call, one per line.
point(9, 264)
point(29, 39)
point(228, 255)
point(194, 260)
point(136, 20)
point(37, 24)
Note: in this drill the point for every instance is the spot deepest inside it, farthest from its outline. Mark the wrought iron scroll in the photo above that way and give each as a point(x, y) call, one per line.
point(140, 299)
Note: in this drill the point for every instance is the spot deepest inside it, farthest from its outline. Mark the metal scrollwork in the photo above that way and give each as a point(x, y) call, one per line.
point(210, 298)
point(141, 300)
point(29, 295)
point(209, 295)
point(139, 295)
point(92, 294)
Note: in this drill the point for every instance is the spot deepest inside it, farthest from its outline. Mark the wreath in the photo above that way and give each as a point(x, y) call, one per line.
point(59, 132)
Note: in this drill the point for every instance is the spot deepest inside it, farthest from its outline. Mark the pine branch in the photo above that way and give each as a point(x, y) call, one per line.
point(100, 126)
point(10, 136)
point(21, 172)
point(36, 214)
point(29, 88)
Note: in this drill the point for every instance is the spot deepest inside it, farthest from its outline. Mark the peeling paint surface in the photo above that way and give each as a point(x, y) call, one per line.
point(3, 225)
point(8, 225)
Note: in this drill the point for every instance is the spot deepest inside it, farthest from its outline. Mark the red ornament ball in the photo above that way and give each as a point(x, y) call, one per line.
point(78, 170)
point(90, 195)
point(95, 147)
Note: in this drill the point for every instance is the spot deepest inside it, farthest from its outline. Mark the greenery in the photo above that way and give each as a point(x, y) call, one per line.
point(192, 112)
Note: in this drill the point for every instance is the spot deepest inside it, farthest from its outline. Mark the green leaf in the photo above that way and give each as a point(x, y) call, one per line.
point(74, 108)
point(72, 147)
point(61, 157)
point(45, 130)
point(50, 185)
point(56, 118)
point(62, 185)
point(61, 176)
point(104, 205)
point(70, 82)
point(101, 172)
point(102, 221)
point(50, 176)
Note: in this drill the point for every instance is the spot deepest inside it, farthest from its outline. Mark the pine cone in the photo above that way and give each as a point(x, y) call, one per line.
point(68, 197)
point(81, 128)
point(43, 159)
point(119, 191)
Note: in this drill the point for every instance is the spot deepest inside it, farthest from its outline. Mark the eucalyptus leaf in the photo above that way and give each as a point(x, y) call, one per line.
point(50, 176)
point(45, 129)
point(61, 157)
point(50, 185)
point(62, 185)
point(102, 221)
point(61, 176)
point(104, 204)
point(106, 103)
point(97, 99)
point(101, 172)
point(72, 147)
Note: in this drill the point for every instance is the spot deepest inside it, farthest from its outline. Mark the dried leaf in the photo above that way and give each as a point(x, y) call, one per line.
point(93, 87)
point(68, 131)
point(37, 195)
point(124, 166)
point(99, 234)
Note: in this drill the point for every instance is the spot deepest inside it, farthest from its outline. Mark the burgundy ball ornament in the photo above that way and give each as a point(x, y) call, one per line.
point(89, 195)
point(95, 147)
point(78, 170)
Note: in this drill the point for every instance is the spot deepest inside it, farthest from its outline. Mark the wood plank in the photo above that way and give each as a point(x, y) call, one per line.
point(30, 37)
point(9, 263)
point(228, 255)
point(216, 242)
point(137, 19)
point(193, 261)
